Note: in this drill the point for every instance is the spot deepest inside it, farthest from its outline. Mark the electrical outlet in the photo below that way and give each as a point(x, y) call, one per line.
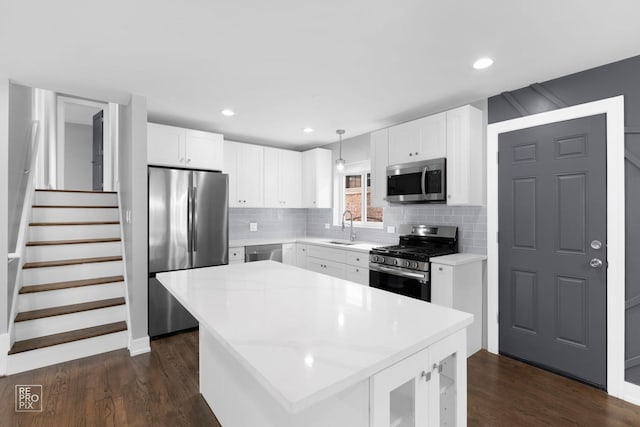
point(253, 226)
point(327, 226)
point(391, 229)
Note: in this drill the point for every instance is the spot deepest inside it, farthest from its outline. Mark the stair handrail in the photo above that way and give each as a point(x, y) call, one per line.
point(33, 151)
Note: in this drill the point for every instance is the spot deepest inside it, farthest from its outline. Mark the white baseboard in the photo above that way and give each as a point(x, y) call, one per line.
point(631, 393)
point(139, 346)
point(4, 351)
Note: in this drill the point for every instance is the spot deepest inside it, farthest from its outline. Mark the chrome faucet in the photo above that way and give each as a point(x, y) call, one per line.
point(352, 235)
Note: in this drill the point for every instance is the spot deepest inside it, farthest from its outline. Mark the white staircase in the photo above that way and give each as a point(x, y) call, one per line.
point(72, 300)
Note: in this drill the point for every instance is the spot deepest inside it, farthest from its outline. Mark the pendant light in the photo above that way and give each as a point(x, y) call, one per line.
point(340, 162)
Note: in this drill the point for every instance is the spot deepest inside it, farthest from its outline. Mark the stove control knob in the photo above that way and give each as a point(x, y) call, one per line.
point(407, 264)
point(415, 265)
point(395, 262)
point(381, 260)
point(374, 258)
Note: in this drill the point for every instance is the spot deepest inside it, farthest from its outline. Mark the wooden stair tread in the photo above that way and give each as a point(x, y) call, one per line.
point(72, 242)
point(66, 337)
point(40, 224)
point(63, 262)
point(68, 309)
point(76, 206)
point(76, 191)
point(70, 284)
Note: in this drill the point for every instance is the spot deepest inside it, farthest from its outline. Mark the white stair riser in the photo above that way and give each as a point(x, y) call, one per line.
point(78, 199)
point(73, 232)
point(38, 276)
point(73, 214)
point(79, 250)
point(56, 298)
point(47, 356)
point(68, 322)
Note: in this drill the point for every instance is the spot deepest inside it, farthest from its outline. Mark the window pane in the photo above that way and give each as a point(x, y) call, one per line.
point(353, 195)
point(373, 214)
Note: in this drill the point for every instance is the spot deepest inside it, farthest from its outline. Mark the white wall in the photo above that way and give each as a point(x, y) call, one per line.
point(132, 157)
point(78, 169)
point(4, 235)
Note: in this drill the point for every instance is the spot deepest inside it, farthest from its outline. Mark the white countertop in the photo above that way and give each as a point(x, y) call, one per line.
point(306, 336)
point(457, 259)
point(364, 247)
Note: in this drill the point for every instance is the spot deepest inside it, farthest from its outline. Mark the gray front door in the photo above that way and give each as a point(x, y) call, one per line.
point(552, 228)
point(97, 152)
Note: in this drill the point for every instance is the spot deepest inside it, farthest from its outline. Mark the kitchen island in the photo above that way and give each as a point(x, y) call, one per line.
point(282, 346)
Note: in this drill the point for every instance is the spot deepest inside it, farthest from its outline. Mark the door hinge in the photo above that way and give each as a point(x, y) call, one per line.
point(497, 157)
point(498, 317)
point(497, 237)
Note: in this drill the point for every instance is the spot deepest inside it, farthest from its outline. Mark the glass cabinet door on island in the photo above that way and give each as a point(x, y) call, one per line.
point(427, 388)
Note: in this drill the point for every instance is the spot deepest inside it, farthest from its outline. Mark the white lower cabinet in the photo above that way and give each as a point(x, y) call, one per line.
point(324, 266)
point(236, 255)
point(336, 262)
point(422, 390)
point(289, 254)
point(358, 275)
point(460, 287)
point(301, 255)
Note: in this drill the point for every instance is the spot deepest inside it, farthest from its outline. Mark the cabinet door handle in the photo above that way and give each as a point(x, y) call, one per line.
point(426, 375)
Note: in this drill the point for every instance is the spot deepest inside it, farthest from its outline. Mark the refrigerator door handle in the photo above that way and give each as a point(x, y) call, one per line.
point(190, 224)
point(194, 222)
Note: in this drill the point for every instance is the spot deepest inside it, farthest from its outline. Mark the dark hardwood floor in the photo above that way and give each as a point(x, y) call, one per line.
point(161, 389)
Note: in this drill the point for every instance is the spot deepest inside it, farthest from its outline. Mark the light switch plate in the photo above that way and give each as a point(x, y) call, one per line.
point(253, 226)
point(391, 229)
point(327, 226)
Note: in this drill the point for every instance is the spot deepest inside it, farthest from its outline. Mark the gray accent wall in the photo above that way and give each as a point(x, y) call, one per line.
point(470, 220)
point(618, 78)
point(78, 146)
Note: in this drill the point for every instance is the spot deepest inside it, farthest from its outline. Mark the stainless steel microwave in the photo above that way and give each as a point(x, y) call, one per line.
point(417, 182)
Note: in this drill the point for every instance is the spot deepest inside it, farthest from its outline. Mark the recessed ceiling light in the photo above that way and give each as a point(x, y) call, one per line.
point(483, 63)
point(227, 113)
point(307, 130)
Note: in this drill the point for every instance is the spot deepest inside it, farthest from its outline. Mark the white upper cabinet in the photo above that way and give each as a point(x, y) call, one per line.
point(282, 178)
point(316, 178)
point(417, 140)
point(179, 147)
point(244, 163)
point(379, 152)
point(464, 156)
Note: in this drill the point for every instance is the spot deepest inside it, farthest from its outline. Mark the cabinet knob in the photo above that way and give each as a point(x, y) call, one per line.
point(410, 154)
point(357, 259)
point(244, 201)
point(426, 375)
point(440, 269)
point(239, 201)
point(448, 196)
point(314, 202)
point(188, 160)
point(357, 270)
point(181, 159)
point(416, 153)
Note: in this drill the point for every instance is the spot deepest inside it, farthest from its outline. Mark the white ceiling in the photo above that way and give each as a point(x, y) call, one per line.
point(283, 65)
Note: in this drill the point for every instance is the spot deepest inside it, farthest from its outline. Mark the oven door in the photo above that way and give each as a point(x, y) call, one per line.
point(414, 284)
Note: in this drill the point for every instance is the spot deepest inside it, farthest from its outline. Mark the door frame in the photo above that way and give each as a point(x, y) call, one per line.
point(107, 146)
point(613, 108)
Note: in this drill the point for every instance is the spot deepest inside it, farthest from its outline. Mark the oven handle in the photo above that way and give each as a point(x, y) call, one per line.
point(422, 181)
point(397, 272)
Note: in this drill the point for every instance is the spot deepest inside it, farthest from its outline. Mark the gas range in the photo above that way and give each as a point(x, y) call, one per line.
point(416, 248)
point(404, 268)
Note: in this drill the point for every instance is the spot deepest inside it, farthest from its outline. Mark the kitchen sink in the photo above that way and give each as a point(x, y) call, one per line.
point(336, 242)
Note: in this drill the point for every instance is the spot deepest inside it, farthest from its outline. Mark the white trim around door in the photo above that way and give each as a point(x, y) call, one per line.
point(614, 110)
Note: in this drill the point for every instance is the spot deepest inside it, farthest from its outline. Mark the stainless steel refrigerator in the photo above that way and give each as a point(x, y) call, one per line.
point(188, 228)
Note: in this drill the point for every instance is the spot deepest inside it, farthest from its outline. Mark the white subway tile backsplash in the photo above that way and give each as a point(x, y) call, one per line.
point(287, 223)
